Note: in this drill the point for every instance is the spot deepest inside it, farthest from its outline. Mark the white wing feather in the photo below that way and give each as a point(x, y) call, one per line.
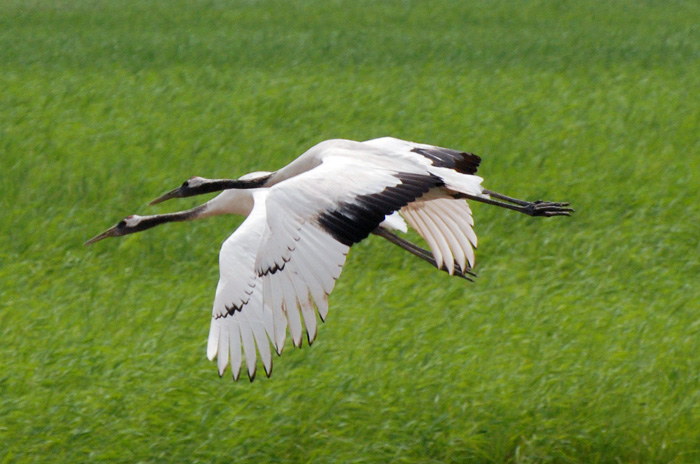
point(394, 221)
point(240, 322)
point(446, 225)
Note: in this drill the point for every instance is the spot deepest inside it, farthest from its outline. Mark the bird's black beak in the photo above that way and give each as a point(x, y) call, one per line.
point(111, 232)
point(175, 193)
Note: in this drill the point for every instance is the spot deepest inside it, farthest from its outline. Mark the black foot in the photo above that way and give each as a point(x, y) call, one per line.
point(531, 208)
point(548, 208)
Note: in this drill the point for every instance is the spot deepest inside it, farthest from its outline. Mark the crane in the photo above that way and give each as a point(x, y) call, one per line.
point(281, 264)
point(240, 202)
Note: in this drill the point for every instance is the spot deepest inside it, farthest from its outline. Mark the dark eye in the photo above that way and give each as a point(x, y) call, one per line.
point(186, 183)
point(121, 224)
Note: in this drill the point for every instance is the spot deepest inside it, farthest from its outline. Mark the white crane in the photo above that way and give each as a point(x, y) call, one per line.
point(302, 219)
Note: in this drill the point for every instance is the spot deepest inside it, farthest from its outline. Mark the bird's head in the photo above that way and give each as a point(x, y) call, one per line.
point(199, 185)
point(192, 186)
point(126, 226)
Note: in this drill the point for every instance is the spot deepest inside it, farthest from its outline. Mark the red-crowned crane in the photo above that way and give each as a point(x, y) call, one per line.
point(281, 264)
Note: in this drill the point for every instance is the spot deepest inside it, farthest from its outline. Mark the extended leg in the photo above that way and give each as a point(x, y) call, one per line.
point(420, 252)
point(531, 208)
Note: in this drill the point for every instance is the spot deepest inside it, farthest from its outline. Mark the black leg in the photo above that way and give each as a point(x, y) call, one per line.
point(420, 252)
point(531, 208)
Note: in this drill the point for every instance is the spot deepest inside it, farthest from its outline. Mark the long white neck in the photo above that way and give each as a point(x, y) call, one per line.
point(230, 201)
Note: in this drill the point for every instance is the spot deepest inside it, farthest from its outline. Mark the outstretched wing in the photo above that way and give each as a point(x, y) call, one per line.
point(313, 220)
point(459, 161)
point(447, 226)
point(457, 169)
point(239, 319)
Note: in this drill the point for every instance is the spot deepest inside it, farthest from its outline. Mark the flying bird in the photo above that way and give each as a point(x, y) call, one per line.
point(281, 264)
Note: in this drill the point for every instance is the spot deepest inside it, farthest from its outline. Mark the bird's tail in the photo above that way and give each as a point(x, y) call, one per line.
point(468, 184)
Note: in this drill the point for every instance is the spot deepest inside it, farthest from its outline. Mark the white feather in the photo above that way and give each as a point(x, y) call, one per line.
point(394, 222)
point(443, 211)
point(256, 325)
point(292, 310)
point(309, 314)
point(441, 242)
point(213, 341)
point(248, 342)
point(235, 347)
point(418, 223)
point(223, 351)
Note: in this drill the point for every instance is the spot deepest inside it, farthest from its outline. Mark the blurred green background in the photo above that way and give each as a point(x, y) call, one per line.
point(579, 342)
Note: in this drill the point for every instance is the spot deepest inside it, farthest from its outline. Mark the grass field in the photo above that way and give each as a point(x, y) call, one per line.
point(580, 341)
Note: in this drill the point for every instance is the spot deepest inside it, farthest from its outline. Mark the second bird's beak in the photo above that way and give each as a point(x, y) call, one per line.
point(111, 232)
point(176, 193)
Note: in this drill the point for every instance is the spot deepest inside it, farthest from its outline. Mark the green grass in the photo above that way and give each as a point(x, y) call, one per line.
point(579, 342)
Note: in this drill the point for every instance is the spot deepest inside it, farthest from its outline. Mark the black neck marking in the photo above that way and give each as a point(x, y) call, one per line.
point(149, 222)
point(217, 185)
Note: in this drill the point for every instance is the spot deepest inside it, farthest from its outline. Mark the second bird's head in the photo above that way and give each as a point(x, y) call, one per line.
point(191, 187)
point(200, 185)
point(126, 226)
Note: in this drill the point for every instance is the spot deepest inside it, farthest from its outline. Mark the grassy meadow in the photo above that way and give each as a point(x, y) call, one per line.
point(579, 342)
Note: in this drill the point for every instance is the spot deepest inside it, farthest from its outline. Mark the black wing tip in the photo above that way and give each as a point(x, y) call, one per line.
point(352, 221)
point(273, 269)
point(469, 163)
point(461, 161)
